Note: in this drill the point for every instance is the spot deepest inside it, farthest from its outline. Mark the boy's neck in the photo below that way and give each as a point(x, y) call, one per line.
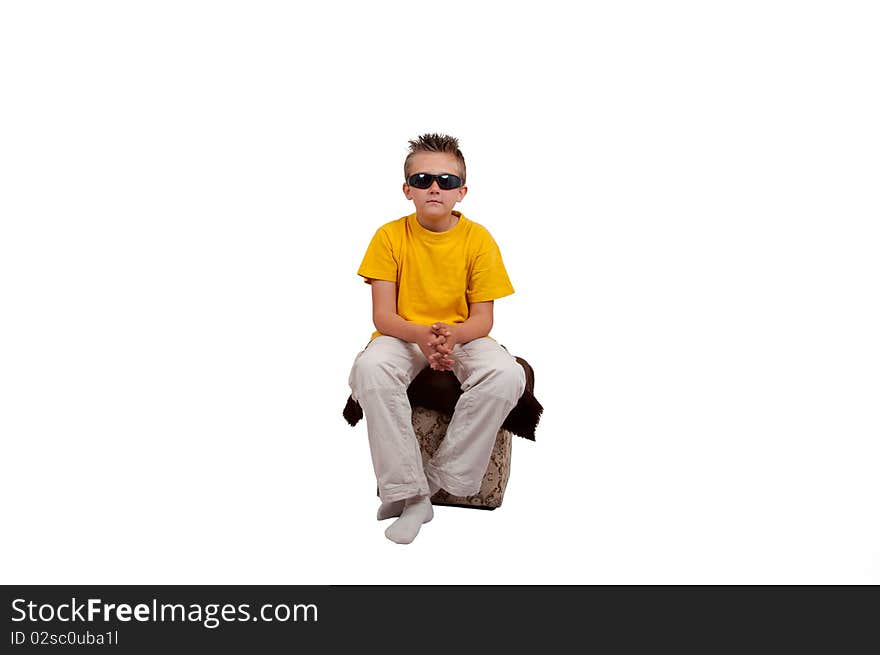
point(441, 224)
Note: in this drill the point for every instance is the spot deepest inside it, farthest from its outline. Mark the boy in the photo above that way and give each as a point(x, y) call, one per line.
point(434, 276)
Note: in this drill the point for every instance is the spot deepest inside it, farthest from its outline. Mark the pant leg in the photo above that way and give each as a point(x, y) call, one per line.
point(379, 379)
point(492, 382)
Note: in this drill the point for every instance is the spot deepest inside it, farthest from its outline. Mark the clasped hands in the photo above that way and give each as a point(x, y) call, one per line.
point(438, 344)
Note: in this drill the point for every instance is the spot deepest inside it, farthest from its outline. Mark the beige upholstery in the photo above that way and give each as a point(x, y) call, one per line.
point(430, 428)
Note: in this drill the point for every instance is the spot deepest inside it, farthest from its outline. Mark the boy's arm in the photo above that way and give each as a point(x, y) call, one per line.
point(478, 324)
point(385, 316)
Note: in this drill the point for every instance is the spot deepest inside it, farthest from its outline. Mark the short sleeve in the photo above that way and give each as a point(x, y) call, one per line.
point(379, 262)
point(488, 278)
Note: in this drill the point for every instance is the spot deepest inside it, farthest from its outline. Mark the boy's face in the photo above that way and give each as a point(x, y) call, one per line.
point(434, 202)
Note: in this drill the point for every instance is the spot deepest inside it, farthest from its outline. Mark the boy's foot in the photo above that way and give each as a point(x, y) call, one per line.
point(416, 511)
point(389, 510)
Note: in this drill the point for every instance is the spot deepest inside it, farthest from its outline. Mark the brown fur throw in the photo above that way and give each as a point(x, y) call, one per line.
point(440, 390)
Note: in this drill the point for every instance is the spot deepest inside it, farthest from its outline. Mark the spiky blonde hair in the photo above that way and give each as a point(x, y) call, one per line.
point(435, 143)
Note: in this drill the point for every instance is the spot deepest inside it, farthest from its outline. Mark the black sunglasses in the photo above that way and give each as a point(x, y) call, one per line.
point(424, 181)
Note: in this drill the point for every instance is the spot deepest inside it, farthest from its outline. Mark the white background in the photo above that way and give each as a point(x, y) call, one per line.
point(686, 198)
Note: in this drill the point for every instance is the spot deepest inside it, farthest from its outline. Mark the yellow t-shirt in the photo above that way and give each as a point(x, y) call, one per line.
point(438, 274)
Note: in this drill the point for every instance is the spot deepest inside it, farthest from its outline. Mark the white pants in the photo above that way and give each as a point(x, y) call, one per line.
point(491, 382)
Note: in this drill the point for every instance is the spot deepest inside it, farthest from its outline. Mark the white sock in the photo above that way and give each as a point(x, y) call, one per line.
point(394, 508)
point(416, 511)
point(390, 509)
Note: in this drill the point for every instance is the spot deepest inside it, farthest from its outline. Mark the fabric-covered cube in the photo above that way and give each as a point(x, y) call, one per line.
point(430, 428)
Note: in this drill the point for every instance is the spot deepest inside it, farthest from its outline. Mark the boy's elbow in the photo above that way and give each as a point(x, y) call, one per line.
point(380, 320)
point(487, 325)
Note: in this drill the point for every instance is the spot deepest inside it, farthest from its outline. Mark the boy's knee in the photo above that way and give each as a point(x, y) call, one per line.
point(508, 380)
point(370, 371)
point(516, 377)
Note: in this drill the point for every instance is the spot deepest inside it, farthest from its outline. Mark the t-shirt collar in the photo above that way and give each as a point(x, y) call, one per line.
point(428, 234)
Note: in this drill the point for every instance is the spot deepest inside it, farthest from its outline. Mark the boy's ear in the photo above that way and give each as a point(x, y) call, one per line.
point(406, 191)
point(462, 192)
